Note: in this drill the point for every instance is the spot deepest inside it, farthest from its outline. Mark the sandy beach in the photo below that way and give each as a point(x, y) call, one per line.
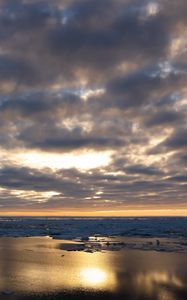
point(38, 268)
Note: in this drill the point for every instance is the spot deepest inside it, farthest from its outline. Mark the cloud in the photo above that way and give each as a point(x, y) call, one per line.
point(93, 76)
point(146, 85)
point(16, 70)
point(179, 178)
point(161, 118)
point(139, 169)
point(177, 140)
point(33, 104)
point(51, 138)
point(26, 188)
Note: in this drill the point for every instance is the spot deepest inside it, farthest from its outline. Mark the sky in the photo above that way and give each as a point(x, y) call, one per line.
point(93, 107)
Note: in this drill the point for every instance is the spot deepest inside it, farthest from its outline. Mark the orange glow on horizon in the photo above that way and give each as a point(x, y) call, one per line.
point(119, 213)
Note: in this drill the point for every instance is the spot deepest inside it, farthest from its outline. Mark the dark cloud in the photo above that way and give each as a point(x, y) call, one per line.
point(139, 169)
point(184, 157)
point(95, 41)
point(178, 140)
point(83, 37)
point(78, 143)
point(179, 178)
point(74, 189)
point(54, 139)
point(17, 70)
point(26, 179)
point(175, 142)
point(145, 85)
point(33, 104)
point(85, 34)
point(23, 16)
point(163, 118)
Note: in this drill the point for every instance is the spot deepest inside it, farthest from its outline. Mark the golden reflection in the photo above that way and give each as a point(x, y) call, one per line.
point(93, 276)
point(37, 264)
point(166, 295)
point(32, 259)
point(150, 280)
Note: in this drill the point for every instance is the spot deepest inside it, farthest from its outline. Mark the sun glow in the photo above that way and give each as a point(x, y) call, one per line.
point(84, 161)
point(93, 276)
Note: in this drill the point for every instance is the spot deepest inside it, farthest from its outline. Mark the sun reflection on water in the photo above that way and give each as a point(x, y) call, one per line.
point(93, 276)
point(37, 264)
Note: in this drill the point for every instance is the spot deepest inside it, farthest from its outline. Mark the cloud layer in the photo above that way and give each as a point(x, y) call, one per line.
point(101, 77)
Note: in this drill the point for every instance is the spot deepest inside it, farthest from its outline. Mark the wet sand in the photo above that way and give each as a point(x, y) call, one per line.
point(37, 268)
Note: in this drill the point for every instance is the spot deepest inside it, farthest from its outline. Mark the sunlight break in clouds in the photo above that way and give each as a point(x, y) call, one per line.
point(83, 161)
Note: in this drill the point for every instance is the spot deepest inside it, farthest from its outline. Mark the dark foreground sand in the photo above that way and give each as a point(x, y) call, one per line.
point(37, 268)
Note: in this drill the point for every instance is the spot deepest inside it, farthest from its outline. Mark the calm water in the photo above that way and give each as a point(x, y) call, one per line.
point(37, 265)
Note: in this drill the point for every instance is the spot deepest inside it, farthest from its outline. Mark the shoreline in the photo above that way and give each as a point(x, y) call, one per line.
point(115, 243)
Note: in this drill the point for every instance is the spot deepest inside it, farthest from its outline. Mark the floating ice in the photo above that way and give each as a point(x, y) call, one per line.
point(91, 233)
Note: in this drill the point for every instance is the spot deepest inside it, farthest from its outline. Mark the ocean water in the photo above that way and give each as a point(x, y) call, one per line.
point(160, 233)
point(67, 227)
